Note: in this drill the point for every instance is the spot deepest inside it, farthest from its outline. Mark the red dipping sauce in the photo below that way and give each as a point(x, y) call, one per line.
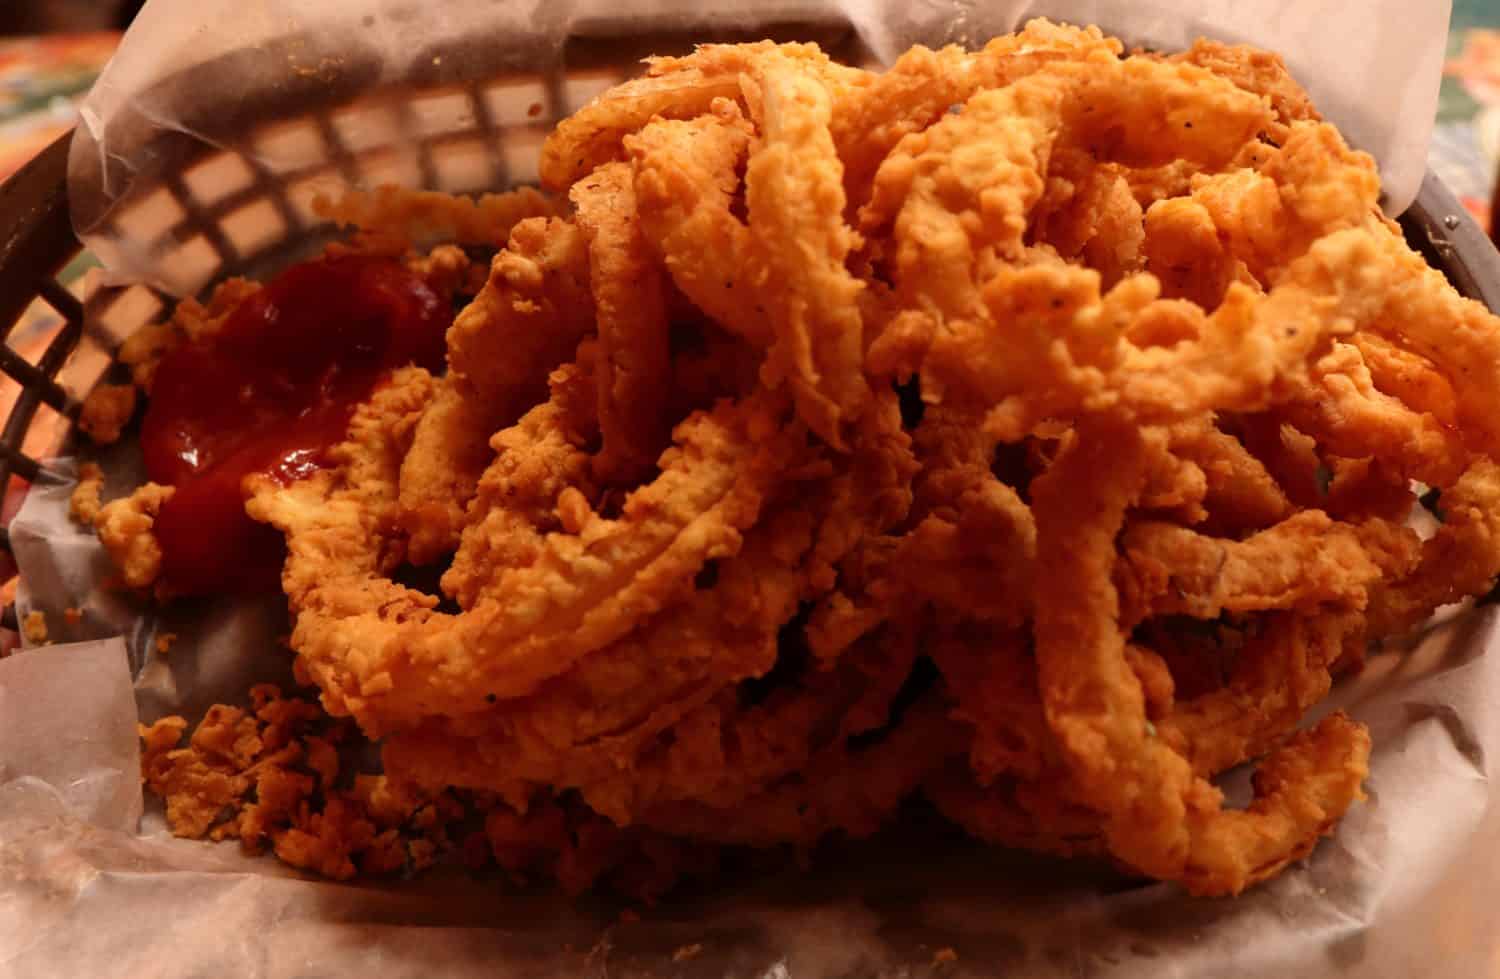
point(270, 393)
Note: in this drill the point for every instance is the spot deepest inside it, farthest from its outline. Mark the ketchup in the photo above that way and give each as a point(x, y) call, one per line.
point(270, 393)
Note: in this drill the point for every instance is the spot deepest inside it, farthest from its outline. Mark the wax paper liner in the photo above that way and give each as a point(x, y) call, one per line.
point(220, 73)
point(1401, 890)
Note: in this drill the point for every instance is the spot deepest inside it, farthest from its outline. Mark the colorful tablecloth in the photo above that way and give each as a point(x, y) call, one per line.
point(40, 79)
point(1465, 149)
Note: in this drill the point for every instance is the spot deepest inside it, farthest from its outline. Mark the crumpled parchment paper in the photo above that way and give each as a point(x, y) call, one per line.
point(87, 888)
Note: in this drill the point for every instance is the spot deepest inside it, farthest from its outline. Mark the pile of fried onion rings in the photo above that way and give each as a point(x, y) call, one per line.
point(1036, 429)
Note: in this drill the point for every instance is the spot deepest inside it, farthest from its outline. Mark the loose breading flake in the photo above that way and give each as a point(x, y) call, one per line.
point(125, 529)
point(84, 504)
point(266, 777)
point(106, 411)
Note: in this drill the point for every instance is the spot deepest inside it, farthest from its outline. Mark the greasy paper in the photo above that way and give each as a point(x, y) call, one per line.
point(216, 73)
point(90, 768)
point(1401, 891)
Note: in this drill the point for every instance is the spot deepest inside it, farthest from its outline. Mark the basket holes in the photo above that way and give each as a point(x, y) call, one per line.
point(368, 126)
point(443, 113)
point(152, 217)
point(290, 147)
point(85, 368)
point(192, 265)
point(120, 313)
point(84, 286)
point(521, 151)
point(462, 165)
point(509, 103)
point(46, 430)
point(255, 227)
point(45, 436)
point(217, 177)
point(34, 329)
point(390, 166)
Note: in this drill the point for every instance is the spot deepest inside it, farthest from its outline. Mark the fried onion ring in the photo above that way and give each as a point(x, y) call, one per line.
point(527, 319)
point(1159, 816)
point(577, 593)
point(630, 301)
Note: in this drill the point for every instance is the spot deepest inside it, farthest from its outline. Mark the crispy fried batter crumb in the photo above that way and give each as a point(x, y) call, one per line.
point(125, 530)
point(84, 504)
point(34, 627)
point(144, 349)
point(944, 956)
point(273, 776)
point(72, 615)
point(449, 271)
point(164, 642)
point(106, 412)
point(687, 953)
point(268, 776)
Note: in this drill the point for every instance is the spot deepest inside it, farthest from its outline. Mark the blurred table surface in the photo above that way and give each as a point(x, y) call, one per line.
point(41, 78)
point(1466, 141)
